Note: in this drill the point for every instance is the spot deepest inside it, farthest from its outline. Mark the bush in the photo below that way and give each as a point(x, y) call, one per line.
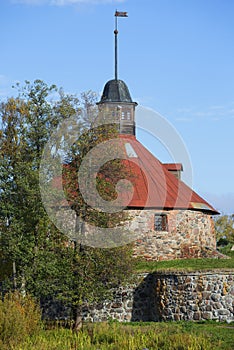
point(222, 242)
point(227, 251)
point(20, 317)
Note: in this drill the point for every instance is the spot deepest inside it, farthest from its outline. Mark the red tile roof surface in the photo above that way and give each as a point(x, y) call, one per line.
point(154, 185)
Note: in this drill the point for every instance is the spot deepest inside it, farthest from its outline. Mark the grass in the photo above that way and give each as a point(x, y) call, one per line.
point(227, 250)
point(137, 336)
point(189, 264)
point(185, 265)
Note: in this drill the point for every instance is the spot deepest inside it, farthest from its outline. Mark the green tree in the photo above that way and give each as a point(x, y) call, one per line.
point(44, 261)
point(26, 124)
point(99, 269)
point(224, 227)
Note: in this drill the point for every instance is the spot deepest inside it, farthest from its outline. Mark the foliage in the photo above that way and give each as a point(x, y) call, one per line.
point(94, 271)
point(20, 317)
point(224, 227)
point(6, 267)
point(185, 264)
point(138, 336)
point(25, 128)
point(48, 265)
point(108, 176)
point(227, 251)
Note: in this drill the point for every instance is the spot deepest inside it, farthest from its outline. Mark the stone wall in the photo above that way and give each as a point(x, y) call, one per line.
point(165, 297)
point(195, 296)
point(171, 297)
point(190, 235)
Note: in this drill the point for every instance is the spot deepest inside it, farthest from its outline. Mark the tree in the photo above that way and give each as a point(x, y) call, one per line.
point(224, 227)
point(46, 263)
point(26, 124)
point(99, 269)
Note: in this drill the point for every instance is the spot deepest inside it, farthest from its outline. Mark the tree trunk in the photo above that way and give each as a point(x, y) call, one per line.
point(77, 318)
point(14, 275)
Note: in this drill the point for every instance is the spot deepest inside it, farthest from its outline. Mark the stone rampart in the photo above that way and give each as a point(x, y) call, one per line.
point(171, 297)
point(164, 296)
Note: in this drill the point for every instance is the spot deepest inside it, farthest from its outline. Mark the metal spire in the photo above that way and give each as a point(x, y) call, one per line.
point(117, 14)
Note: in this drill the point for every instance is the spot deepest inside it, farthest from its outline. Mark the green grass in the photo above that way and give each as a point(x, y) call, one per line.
point(227, 250)
point(137, 336)
point(185, 265)
point(189, 264)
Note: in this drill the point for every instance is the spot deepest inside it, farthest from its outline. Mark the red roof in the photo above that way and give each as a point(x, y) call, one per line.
point(154, 185)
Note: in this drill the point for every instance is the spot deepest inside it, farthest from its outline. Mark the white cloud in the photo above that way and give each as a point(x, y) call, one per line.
point(30, 2)
point(66, 2)
point(209, 113)
point(72, 2)
point(203, 114)
point(184, 119)
point(216, 107)
point(184, 110)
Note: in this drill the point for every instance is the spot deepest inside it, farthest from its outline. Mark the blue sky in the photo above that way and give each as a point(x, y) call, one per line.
point(176, 56)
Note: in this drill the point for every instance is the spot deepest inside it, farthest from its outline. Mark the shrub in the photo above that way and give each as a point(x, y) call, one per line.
point(20, 317)
point(222, 242)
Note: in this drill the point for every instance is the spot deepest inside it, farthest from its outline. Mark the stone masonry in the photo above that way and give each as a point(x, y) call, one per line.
point(164, 296)
point(190, 234)
point(171, 297)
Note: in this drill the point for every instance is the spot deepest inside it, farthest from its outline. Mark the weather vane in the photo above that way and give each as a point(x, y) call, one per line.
point(117, 14)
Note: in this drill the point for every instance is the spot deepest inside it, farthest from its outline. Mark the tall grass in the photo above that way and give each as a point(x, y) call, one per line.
point(20, 317)
point(115, 336)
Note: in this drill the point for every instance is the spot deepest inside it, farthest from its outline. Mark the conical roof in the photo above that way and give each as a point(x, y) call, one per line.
point(154, 186)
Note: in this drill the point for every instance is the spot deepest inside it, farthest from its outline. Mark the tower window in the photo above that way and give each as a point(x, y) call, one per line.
point(160, 222)
point(123, 115)
point(128, 116)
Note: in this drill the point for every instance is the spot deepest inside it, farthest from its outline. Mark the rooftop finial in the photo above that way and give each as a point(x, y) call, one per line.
point(117, 14)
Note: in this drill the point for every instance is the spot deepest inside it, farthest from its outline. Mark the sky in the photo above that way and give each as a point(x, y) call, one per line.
point(176, 56)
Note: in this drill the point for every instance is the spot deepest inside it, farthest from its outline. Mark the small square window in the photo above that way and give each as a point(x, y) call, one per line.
point(160, 222)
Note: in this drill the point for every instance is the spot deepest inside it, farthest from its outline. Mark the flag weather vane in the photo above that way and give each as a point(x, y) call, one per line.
point(117, 14)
